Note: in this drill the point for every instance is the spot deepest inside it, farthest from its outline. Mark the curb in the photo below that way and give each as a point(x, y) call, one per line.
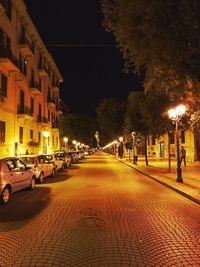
point(195, 200)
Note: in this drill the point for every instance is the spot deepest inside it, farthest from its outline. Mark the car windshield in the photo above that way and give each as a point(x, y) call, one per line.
point(59, 155)
point(28, 160)
point(49, 157)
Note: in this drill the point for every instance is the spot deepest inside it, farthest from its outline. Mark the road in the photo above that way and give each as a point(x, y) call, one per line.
point(99, 212)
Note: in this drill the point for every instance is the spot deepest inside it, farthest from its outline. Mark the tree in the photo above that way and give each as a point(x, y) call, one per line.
point(110, 117)
point(163, 37)
point(79, 127)
point(145, 114)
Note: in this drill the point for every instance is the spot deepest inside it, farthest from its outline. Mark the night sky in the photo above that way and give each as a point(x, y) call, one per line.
point(91, 65)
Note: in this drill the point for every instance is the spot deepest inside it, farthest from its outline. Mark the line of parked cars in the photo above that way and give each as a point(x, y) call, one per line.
point(17, 173)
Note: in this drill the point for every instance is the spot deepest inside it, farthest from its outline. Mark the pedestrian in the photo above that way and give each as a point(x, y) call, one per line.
point(27, 152)
point(183, 155)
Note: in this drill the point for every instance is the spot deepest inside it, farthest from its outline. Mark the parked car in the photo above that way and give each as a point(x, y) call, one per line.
point(58, 162)
point(14, 176)
point(63, 155)
point(73, 156)
point(40, 164)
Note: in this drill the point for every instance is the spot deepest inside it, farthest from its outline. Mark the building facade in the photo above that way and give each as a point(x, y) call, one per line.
point(29, 86)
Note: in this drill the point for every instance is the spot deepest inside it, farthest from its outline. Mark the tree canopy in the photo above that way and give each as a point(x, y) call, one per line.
point(110, 117)
point(161, 36)
point(79, 127)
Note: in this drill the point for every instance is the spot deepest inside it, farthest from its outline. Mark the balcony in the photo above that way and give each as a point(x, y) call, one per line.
point(1, 98)
point(35, 88)
point(42, 70)
point(25, 47)
point(42, 121)
point(55, 89)
point(9, 61)
point(55, 125)
point(51, 103)
point(2, 8)
point(24, 113)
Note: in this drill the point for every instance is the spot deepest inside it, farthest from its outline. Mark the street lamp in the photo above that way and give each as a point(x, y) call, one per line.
point(121, 147)
point(74, 143)
point(175, 115)
point(134, 156)
point(46, 135)
point(65, 139)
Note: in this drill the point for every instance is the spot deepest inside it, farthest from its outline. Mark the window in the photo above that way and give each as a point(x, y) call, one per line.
point(153, 140)
point(39, 137)
point(2, 132)
point(3, 85)
point(40, 84)
point(8, 7)
point(31, 134)
point(40, 112)
point(49, 115)
point(32, 105)
point(23, 65)
point(182, 137)
point(5, 42)
point(171, 138)
point(21, 133)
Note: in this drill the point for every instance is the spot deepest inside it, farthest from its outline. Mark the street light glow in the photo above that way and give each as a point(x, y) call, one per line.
point(65, 139)
point(178, 111)
point(175, 114)
point(46, 134)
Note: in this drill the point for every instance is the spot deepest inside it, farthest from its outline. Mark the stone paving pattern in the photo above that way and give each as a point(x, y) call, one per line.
point(99, 213)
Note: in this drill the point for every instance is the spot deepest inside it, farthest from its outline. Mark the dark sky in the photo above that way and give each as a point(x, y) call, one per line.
point(87, 58)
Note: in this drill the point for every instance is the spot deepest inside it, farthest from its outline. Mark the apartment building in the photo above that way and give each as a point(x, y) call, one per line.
point(29, 86)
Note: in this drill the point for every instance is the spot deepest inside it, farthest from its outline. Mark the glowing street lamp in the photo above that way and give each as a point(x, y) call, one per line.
point(175, 115)
point(65, 139)
point(74, 143)
point(46, 135)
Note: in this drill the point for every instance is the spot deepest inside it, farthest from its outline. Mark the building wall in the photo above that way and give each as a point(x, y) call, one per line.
point(42, 87)
point(154, 150)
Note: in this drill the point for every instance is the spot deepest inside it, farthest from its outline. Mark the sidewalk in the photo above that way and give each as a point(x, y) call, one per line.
point(158, 170)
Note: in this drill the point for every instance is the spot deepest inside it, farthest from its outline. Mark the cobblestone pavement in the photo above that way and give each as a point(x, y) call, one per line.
point(99, 213)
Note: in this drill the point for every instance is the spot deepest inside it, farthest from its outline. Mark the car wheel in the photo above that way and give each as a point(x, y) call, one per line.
point(5, 196)
point(62, 168)
point(53, 172)
point(41, 178)
point(32, 185)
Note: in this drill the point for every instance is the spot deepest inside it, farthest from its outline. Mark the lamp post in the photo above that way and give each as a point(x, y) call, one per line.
point(74, 143)
point(134, 156)
point(121, 147)
point(65, 139)
point(46, 135)
point(175, 115)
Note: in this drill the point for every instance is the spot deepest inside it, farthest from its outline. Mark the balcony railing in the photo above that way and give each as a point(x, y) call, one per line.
point(55, 125)
point(24, 110)
point(42, 119)
point(25, 43)
point(34, 84)
point(7, 59)
point(1, 98)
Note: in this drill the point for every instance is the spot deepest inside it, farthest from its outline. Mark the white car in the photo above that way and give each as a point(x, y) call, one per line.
point(58, 162)
point(40, 164)
point(14, 176)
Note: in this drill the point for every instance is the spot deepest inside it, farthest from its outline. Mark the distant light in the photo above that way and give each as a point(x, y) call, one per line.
point(46, 134)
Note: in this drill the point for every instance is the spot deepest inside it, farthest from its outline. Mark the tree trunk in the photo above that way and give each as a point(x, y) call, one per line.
point(145, 151)
point(169, 152)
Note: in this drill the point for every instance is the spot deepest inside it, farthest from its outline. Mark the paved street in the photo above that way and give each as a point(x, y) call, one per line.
point(100, 212)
